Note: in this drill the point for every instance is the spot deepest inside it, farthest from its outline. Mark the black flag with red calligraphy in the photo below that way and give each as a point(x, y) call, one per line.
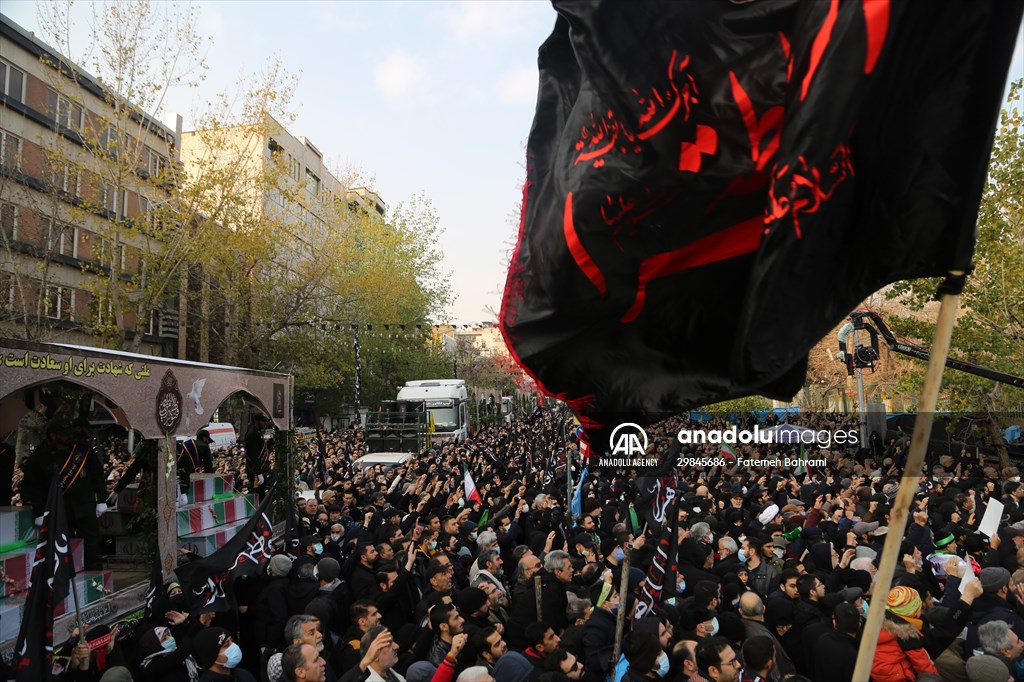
point(660, 582)
point(205, 581)
point(712, 186)
point(49, 584)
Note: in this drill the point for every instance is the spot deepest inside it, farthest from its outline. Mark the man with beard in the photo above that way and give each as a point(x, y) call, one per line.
point(363, 581)
point(439, 581)
point(446, 623)
point(489, 646)
point(396, 599)
point(473, 603)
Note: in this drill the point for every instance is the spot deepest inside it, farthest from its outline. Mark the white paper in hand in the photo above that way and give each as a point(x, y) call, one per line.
point(990, 521)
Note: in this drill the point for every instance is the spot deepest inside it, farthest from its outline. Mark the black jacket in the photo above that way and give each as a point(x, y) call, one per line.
point(598, 639)
point(835, 656)
point(270, 612)
point(553, 603)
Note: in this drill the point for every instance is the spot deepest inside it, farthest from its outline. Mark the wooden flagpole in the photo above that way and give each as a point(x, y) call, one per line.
point(908, 488)
point(620, 618)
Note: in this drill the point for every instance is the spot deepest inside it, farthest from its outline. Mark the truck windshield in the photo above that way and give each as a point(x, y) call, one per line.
point(445, 418)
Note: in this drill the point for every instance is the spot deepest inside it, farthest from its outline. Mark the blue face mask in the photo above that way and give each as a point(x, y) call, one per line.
point(619, 554)
point(662, 669)
point(169, 644)
point(318, 549)
point(714, 626)
point(742, 554)
point(432, 544)
point(681, 587)
point(864, 606)
point(234, 655)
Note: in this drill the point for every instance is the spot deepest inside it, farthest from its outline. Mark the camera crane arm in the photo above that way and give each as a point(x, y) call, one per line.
point(875, 326)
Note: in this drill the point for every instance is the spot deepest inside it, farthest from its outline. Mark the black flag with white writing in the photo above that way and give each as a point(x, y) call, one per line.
point(50, 583)
point(656, 489)
point(713, 186)
point(205, 580)
point(661, 576)
point(157, 590)
point(292, 530)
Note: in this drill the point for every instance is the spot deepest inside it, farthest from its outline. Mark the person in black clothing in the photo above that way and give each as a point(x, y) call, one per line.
point(257, 455)
point(194, 456)
point(397, 596)
point(270, 610)
point(835, 654)
point(68, 453)
point(556, 574)
point(218, 657)
point(362, 583)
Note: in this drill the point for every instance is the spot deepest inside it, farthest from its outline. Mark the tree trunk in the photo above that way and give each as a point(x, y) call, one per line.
point(204, 311)
point(994, 433)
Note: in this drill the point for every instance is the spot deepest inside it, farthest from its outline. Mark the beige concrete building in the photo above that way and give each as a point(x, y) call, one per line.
point(61, 200)
point(288, 180)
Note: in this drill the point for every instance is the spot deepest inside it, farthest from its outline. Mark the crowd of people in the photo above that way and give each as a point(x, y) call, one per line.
point(398, 576)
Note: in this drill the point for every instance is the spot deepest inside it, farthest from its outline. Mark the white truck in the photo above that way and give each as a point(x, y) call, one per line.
point(446, 402)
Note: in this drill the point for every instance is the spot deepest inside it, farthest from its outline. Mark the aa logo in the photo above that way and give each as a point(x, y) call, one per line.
point(628, 439)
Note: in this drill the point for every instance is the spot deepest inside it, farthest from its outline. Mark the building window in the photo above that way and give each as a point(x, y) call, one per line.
point(68, 179)
point(7, 286)
point(12, 81)
point(59, 302)
point(109, 255)
point(154, 323)
point(9, 221)
point(155, 164)
point(115, 201)
point(64, 111)
point(10, 151)
point(148, 219)
point(66, 237)
point(108, 140)
point(312, 183)
point(294, 168)
point(104, 310)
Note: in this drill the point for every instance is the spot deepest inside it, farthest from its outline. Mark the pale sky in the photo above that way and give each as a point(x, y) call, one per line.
point(423, 97)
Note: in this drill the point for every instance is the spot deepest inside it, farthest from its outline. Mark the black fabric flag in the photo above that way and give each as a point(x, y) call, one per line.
point(713, 186)
point(49, 583)
point(292, 530)
point(661, 576)
point(204, 580)
point(157, 590)
point(656, 489)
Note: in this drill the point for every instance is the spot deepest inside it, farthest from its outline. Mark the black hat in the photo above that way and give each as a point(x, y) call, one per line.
point(470, 600)
point(207, 644)
point(584, 539)
point(308, 541)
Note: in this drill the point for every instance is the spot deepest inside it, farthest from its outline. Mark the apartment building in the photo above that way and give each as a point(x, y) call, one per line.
point(296, 190)
point(70, 219)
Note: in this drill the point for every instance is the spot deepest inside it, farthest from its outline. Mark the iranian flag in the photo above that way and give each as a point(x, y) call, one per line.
point(472, 495)
point(728, 453)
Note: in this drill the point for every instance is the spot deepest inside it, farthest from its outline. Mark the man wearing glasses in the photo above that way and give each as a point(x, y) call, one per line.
point(717, 662)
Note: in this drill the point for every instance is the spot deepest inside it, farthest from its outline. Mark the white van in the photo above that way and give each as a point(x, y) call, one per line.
point(223, 435)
